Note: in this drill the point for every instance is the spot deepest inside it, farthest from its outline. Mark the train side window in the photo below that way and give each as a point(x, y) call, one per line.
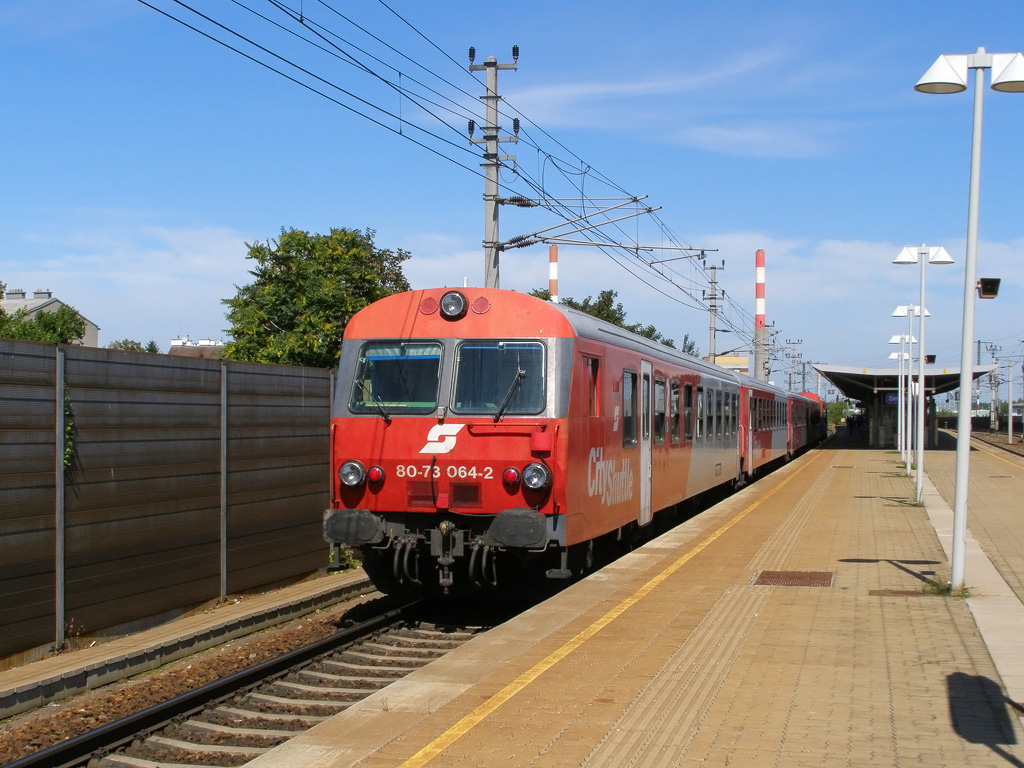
point(709, 410)
point(593, 366)
point(688, 412)
point(735, 411)
point(673, 411)
point(719, 413)
point(700, 413)
point(629, 408)
point(645, 408)
point(660, 406)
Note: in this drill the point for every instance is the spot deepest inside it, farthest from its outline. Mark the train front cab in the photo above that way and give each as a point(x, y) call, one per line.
point(448, 449)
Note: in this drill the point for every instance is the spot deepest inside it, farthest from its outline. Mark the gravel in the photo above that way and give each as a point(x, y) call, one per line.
point(51, 725)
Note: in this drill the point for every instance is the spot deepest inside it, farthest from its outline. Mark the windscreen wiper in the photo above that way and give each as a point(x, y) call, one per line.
point(520, 375)
point(381, 409)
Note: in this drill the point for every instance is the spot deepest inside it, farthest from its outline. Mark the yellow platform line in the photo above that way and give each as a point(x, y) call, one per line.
point(470, 721)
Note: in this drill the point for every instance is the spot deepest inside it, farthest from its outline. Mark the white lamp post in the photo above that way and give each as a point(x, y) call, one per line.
point(901, 388)
point(949, 75)
point(908, 311)
point(1009, 408)
point(899, 395)
point(920, 256)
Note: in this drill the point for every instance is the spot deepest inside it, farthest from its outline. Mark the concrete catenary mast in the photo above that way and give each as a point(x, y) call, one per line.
point(492, 160)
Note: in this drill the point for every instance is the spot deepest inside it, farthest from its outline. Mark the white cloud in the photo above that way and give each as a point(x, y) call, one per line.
point(132, 278)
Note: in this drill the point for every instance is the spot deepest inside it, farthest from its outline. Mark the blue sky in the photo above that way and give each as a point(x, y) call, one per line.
point(139, 157)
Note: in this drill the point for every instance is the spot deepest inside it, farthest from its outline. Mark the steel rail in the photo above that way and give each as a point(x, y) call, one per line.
point(79, 750)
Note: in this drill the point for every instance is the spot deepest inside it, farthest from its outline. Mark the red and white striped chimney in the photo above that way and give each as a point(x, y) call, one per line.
point(759, 292)
point(760, 370)
point(553, 272)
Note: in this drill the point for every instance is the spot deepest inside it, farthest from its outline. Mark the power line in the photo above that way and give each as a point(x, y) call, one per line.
point(575, 171)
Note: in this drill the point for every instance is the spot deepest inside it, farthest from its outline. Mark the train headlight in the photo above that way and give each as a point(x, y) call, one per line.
point(375, 475)
point(453, 305)
point(536, 476)
point(352, 474)
point(510, 476)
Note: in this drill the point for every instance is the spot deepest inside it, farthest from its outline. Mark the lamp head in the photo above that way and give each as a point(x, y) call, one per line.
point(906, 256)
point(947, 75)
point(1008, 72)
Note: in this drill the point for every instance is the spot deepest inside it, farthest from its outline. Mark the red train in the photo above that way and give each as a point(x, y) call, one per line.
point(485, 438)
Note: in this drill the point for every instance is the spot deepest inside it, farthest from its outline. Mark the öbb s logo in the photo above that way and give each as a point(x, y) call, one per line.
point(441, 438)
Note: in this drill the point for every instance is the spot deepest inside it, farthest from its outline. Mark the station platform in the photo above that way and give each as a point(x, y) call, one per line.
point(801, 622)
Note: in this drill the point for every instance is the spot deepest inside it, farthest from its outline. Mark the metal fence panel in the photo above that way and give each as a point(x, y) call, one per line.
point(27, 464)
point(278, 426)
point(143, 504)
point(147, 502)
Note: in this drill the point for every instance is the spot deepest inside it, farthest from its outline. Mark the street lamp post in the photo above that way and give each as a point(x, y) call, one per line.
point(921, 256)
point(901, 389)
point(907, 311)
point(949, 75)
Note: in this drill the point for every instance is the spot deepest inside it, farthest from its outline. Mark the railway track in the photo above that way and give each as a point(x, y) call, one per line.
point(232, 721)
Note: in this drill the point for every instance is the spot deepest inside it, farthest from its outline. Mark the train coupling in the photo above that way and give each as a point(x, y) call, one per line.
point(445, 545)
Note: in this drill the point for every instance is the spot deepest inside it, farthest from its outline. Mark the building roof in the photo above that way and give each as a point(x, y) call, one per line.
point(43, 301)
point(206, 348)
point(863, 383)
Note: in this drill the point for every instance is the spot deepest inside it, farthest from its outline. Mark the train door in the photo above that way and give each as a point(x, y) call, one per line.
point(790, 418)
point(645, 442)
point(751, 425)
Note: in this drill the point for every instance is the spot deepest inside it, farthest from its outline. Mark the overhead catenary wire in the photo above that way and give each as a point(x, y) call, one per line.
point(575, 172)
point(307, 86)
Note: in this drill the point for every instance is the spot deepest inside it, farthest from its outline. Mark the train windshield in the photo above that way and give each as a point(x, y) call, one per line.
point(396, 378)
point(497, 378)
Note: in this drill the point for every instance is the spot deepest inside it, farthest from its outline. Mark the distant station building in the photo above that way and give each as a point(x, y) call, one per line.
point(877, 391)
point(186, 347)
point(44, 301)
point(738, 363)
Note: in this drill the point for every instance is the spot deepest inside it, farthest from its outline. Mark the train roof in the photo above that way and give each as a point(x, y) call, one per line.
point(589, 327)
point(401, 314)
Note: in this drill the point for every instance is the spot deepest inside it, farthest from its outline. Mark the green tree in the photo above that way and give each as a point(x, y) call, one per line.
point(837, 411)
point(606, 308)
point(130, 345)
point(61, 327)
point(306, 288)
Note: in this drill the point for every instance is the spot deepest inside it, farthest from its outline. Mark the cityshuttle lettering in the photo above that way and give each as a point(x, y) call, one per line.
point(604, 480)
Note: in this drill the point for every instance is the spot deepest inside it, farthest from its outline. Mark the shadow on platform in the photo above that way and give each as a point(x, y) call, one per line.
point(980, 713)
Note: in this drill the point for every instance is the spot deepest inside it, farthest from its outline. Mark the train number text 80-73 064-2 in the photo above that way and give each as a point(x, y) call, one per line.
point(452, 471)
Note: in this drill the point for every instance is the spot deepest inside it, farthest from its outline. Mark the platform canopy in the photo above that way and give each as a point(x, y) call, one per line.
point(864, 383)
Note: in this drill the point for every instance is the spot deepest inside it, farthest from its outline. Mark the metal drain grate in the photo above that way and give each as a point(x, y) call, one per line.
point(794, 579)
